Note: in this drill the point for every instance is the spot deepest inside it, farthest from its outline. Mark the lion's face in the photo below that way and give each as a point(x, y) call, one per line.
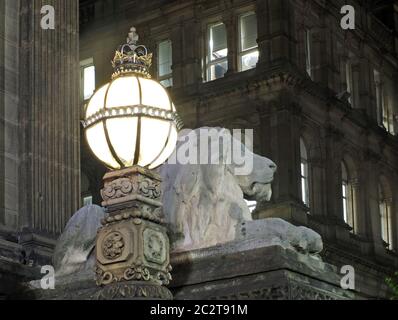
point(256, 185)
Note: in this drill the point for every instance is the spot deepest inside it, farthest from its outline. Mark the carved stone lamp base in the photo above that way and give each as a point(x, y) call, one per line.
point(133, 290)
point(132, 247)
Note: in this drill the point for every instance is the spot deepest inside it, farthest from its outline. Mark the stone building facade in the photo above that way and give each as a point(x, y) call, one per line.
point(322, 101)
point(39, 117)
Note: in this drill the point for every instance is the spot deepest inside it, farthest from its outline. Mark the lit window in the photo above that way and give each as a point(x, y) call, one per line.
point(308, 52)
point(349, 83)
point(217, 63)
point(385, 114)
point(248, 48)
point(305, 196)
point(348, 195)
point(87, 201)
point(165, 61)
point(252, 205)
point(385, 209)
point(379, 97)
point(87, 78)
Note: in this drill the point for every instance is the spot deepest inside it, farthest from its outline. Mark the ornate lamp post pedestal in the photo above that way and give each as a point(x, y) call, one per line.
point(132, 247)
point(131, 125)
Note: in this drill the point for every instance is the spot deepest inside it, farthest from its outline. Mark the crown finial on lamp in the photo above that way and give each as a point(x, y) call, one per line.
point(133, 36)
point(132, 57)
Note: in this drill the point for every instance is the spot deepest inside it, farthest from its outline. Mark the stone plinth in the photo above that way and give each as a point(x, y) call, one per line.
point(252, 269)
point(245, 269)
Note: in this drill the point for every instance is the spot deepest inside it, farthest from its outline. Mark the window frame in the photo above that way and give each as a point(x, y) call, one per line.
point(385, 215)
point(208, 62)
point(241, 51)
point(168, 76)
point(304, 174)
point(348, 197)
point(84, 64)
point(308, 47)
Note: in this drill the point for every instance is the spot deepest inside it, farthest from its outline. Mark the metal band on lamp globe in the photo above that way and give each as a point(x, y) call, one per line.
point(131, 120)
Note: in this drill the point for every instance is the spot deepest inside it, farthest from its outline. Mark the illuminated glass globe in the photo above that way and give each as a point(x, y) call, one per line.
point(131, 120)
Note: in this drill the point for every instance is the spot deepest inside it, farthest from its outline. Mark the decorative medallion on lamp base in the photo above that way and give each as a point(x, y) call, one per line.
point(132, 247)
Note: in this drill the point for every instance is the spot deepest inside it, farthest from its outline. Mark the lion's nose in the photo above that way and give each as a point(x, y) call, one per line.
point(273, 166)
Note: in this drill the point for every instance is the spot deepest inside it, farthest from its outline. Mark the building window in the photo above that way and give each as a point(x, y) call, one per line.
point(251, 204)
point(87, 200)
point(349, 82)
point(305, 196)
point(87, 75)
point(165, 61)
point(385, 114)
point(348, 197)
point(248, 48)
point(308, 52)
point(217, 52)
point(385, 210)
point(379, 97)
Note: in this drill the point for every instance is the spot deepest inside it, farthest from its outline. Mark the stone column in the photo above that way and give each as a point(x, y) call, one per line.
point(49, 137)
point(177, 42)
point(317, 186)
point(9, 73)
point(230, 25)
point(372, 203)
point(396, 24)
point(280, 131)
point(333, 174)
point(276, 41)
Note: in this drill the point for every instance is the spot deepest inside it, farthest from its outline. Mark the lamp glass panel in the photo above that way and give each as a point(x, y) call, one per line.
point(98, 144)
point(154, 95)
point(97, 101)
point(123, 92)
point(122, 135)
point(168, 150)
point(154, 134)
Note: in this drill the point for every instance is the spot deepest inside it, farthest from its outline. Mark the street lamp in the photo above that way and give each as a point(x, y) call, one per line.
point(131, 125)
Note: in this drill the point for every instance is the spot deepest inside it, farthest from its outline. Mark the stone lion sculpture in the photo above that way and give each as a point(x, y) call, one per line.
point(204, 195)
point(204, 205)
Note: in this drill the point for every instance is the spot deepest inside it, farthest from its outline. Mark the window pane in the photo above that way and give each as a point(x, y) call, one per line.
point(217, 70)
point(87, 201)
point(348, 70)
point(167, 83)
point(165, 58)
point(308, 46)
point(251, 204)
point(249, 61)
point(248, 32)
point(345, 210)
point(88, 82)
point(218, 42)
point(304, 191)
